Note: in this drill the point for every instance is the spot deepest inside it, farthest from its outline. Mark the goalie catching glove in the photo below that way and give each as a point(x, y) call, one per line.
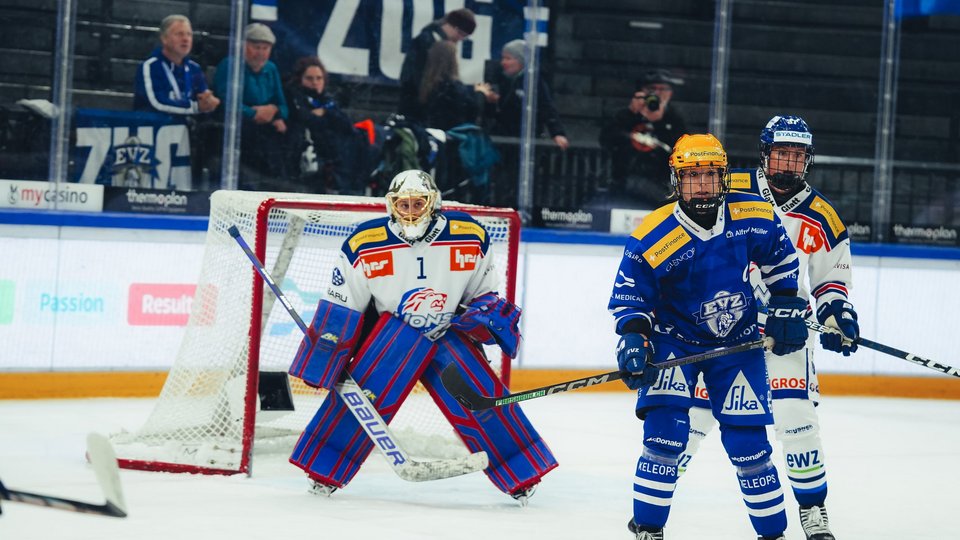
point(635, 357)
point(785, 315)
point(490, 319)
point(839, 314)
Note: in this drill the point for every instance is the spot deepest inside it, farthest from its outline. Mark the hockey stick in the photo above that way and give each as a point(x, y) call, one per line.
point(455, 384)
point(104, 464)
point(366, 414)
point(910, 357)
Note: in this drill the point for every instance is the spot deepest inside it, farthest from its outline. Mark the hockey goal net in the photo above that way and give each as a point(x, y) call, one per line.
point(208, 417)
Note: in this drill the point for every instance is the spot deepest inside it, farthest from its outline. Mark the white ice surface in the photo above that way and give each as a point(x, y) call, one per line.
point(892, 467)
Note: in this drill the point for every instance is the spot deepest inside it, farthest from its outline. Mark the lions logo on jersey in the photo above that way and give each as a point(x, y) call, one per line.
point(722, 313)
point(422, 308)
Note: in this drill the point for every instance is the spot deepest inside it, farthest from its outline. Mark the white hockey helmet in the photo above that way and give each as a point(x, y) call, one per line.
point(412, 202)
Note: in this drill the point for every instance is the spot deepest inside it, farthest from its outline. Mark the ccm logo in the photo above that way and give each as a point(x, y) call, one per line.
point(787, 313)
point(159, 304)
point(464, 258)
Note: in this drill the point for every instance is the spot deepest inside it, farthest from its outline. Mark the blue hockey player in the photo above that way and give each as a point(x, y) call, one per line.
point(414, 268)
point(823, 248)
point(683, 288)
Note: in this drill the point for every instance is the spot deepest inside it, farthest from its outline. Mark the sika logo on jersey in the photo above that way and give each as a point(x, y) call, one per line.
point(376, 264)
point(671, 382)
point(741, 400)
point(722, 313)
point(463, 258)
point(422, 308)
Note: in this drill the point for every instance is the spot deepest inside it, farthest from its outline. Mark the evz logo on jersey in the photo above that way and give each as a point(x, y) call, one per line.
point(722, 313)
point(423, 308)
point(377, 264)
point(463, 258)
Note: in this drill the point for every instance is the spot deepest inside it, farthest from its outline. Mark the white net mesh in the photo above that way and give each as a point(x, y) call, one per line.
point(198, 421)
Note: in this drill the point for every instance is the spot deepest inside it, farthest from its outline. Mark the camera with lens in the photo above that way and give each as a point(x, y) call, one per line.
point(652, 102)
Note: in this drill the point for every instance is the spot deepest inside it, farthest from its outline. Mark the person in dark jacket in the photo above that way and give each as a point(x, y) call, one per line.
point(640, 138)
point(454, 27)
point(322, 130)
point(505, 106)
point(445, 100)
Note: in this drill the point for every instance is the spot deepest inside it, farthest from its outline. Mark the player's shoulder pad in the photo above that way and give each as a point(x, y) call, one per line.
point(658, 236)
point(369, 234)
point(463, 227)
point(743, 205)
point(820, 209)
point(744, 180)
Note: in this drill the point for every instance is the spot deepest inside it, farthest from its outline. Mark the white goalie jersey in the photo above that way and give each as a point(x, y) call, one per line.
point(816, 231)
point(423, 282)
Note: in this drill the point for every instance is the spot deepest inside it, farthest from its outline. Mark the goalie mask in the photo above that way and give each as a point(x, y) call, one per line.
point(412, 202)
point(786, 151)
point(698, 170)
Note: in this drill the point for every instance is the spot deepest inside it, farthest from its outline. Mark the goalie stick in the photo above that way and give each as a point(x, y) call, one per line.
point(104, 464)
point(454, 382)
point(366, 414)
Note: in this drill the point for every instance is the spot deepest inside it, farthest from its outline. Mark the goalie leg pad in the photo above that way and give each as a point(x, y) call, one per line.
point(749, 451)
point(334, 445)
point(519, 457)
point(665, 432)
point(798, 429)
point(327, 346)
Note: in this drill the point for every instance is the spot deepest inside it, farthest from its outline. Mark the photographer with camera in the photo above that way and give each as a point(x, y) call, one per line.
point(640, 138)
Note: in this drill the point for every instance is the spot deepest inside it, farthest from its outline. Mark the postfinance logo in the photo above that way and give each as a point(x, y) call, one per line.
point(6, 301)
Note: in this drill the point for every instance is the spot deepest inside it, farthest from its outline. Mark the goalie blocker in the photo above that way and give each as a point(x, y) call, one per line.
point(390, 362)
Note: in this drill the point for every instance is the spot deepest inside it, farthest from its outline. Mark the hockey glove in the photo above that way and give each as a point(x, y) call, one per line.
point(839, 314)
point(490, 319)
point(634, 355)
point(785, 324)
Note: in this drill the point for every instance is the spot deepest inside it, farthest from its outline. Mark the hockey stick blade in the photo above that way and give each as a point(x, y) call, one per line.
point(104, 464)
point(454, 382)
point(364, 411)
point(910, 357)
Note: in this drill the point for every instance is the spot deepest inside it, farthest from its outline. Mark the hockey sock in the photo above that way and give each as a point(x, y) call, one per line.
point(798, 429)
point(749, 451)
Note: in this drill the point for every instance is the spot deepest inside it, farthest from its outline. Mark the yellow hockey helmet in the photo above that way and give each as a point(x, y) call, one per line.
point(698, 170)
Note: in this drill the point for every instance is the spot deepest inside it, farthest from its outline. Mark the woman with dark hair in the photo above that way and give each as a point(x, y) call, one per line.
point(445, 100)
point(317, 122)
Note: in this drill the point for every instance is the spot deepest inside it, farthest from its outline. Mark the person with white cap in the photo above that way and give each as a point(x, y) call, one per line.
point(263, 110)
point(505, 107)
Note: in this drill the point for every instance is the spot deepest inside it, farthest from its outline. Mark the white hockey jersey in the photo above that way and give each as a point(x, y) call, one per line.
point(816, 231)
point(424, 282)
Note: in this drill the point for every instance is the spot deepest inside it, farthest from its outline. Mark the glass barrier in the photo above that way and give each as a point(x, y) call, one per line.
point(29, 43)
point(925, 186)
point(566, 110)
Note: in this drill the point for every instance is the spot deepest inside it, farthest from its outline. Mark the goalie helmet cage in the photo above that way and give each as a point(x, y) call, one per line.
point(207, 418)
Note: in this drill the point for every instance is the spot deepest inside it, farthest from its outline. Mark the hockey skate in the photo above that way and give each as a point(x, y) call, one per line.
point(321, 489)
point(522, 496)
point(644, 533)
point(815, 523)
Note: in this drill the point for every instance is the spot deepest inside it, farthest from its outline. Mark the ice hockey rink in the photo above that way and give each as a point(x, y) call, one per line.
point(891, 462)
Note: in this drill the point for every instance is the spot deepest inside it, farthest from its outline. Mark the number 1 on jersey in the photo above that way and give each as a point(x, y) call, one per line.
point(422, 275)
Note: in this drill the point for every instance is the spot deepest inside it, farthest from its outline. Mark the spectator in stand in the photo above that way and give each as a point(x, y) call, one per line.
point(640, 139)
point(168, 81)
point(264, 112)
point(445, 100)
point(321, 130)
point(505, 106)
point(453, 27)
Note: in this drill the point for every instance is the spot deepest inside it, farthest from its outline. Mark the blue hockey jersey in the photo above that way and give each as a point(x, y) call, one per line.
point(693, 283)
